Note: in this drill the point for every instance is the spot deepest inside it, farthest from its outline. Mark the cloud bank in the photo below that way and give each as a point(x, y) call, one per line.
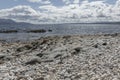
point(73, 11)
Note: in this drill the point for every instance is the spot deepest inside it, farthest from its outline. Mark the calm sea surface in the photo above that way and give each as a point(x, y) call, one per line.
point(57, 29)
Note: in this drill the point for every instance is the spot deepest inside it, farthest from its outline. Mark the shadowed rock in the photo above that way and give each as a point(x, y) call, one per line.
point(49, 30)
point(113, 35)
point(26, 47)
point(66, 37)
point(104, 44)
point(37, 31)
point(35, 43)
point(76, 50)
point(95, 46)
point(22, 78)
point(40, 55)
point(8, 31)
point(41, 78)
point(45, 41)
point(32, 62)
point(58, 55)
point(2, 56)
point(48, 60)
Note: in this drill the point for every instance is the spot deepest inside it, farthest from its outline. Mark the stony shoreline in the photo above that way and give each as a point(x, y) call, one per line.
point(87, 57)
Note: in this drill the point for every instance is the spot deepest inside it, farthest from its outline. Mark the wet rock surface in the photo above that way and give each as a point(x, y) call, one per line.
point(89, 57)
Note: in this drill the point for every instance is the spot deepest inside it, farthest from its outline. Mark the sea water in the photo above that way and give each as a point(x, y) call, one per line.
point(57, 29)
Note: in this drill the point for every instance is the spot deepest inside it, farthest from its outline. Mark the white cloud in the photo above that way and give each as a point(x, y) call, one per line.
point(19, 13)
point(34, 1)
point(67, 1)
point(83, 12)
point(40, 1)
point(76, 1)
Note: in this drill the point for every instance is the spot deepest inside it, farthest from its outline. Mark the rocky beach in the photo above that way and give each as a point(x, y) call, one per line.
point(72, 57)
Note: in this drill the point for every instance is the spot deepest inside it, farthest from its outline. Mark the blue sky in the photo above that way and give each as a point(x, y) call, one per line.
point(41, 11)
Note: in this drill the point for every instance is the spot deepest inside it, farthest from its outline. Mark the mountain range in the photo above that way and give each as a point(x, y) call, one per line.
point(9, 21)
